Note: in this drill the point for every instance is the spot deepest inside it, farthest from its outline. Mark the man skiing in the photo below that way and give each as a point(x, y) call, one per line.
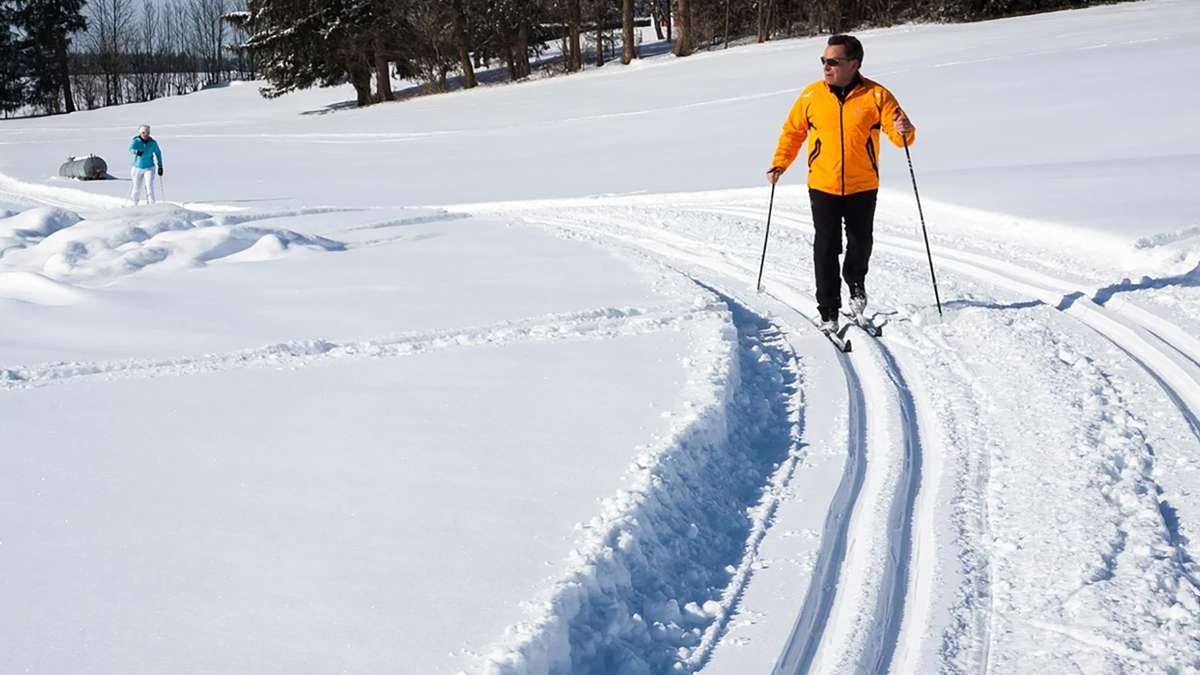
point(841, 117)
point(145, 151)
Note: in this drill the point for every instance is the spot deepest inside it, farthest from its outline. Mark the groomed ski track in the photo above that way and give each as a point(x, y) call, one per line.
point(880, 524)
point(1168, 354)
point(868, 533)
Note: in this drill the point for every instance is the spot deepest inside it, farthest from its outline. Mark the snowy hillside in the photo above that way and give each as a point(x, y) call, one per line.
point(481, 383)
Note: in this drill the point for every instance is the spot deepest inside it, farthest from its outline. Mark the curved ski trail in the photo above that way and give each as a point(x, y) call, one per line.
point(868, 533)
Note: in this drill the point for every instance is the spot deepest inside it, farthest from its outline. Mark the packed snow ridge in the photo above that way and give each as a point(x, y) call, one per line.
point(45, 250)
point(658, 571)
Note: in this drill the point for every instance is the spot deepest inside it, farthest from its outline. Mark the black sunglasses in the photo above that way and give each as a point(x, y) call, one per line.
point(833, 63)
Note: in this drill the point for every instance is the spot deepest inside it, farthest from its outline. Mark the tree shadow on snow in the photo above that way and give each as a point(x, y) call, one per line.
point(490, 76)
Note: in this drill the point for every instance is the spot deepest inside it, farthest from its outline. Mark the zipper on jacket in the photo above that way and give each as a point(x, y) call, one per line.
point(871, 156)
point(842, 132)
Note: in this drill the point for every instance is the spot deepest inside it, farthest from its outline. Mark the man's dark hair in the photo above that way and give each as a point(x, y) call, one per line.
point(853, 47)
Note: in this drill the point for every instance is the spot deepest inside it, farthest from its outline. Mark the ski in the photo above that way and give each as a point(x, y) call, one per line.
point(842, 344)
point(868, 325)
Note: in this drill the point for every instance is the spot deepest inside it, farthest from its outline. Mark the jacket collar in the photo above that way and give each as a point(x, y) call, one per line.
point(843, 93)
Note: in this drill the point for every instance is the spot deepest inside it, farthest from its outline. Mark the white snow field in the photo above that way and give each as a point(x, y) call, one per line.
point(481, 383)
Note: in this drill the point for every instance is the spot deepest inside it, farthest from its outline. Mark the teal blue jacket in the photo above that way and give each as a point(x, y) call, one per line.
point(149, 151)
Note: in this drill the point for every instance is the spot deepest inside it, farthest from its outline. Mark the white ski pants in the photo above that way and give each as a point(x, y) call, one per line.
point(142, 178)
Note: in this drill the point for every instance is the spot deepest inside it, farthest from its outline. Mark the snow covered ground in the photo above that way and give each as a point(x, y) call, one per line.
point(480, 382)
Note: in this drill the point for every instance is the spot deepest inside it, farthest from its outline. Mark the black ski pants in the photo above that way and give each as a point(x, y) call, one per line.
point(829, 211)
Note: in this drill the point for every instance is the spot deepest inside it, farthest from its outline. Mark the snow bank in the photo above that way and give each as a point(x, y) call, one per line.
point(656, 574)
point(41, 221)
point(17, 229)
point(63, 246)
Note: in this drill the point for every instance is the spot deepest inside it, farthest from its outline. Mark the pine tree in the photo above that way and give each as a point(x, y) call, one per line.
point(47, 26)
point(305, 43)
point(12, 90)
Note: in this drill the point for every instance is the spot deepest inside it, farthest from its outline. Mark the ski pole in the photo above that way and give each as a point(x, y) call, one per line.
point(763, 264)
point(924, 233)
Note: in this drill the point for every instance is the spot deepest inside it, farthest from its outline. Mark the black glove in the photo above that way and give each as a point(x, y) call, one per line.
point(160, 170)
point(138, 153)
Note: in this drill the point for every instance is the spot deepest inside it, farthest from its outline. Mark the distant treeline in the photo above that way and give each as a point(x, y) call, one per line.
point(56, 55)
point(61, 55)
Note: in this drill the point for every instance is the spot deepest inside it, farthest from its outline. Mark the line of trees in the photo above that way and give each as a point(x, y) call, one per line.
point(60, 55)
point(140, 52)
point(56, 55)
point(303, 43)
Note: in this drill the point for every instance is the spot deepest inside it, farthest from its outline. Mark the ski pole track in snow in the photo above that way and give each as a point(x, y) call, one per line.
point(869, 630)
point(587, 325)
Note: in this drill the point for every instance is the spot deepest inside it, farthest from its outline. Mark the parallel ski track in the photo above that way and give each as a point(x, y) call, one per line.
point(1167, 353)
point(801, 647)
point(804, 644)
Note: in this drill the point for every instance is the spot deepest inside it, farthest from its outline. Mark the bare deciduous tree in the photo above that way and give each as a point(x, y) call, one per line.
point(629, 50)
point(207, 35)
point(111, 23)
point(683, 43)
point(574, 51)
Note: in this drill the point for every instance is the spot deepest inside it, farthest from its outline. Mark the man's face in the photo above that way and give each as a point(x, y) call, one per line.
point(841, 74)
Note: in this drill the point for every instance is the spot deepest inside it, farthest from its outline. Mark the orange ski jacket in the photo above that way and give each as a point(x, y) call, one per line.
point(843, 136)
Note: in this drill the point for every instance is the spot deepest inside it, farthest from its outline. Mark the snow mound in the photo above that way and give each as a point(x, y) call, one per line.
point(38, 289)
point(17, 229)
point(268, 247)
point(62, 246)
